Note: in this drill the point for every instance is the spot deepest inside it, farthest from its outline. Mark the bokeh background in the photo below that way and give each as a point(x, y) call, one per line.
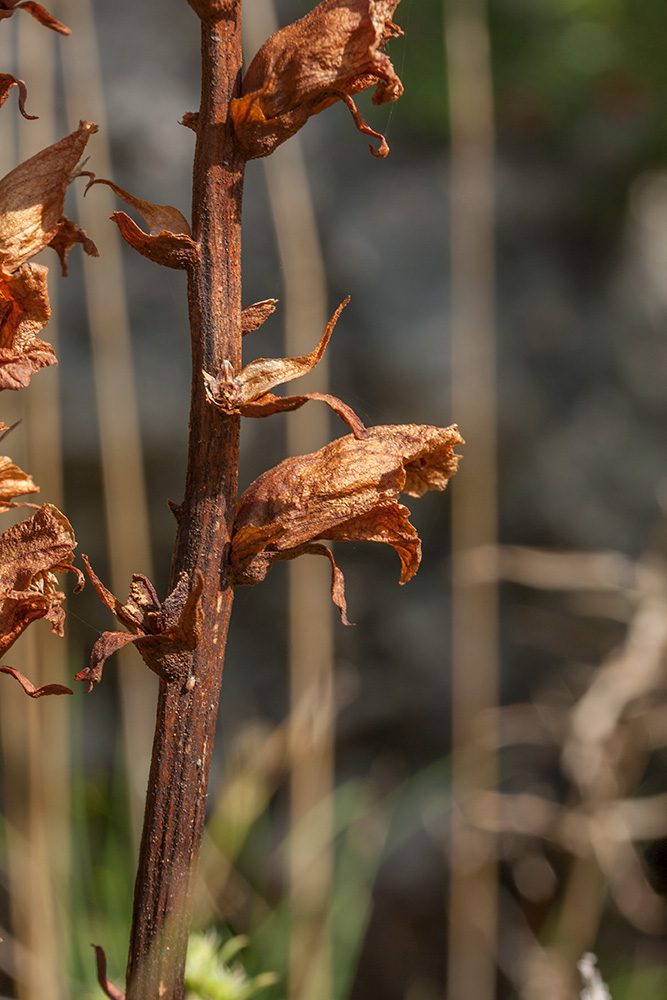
point(366, 847)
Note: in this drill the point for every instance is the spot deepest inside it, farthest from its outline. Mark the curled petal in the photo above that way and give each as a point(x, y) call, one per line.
point(29, 687)
point(107, 644)
point(24, 311)
point(30, 554)
point(346, 491)
point(13, 483)
point(268, 404)
point(32, 198)
point(169, 239)
point(107, 987)
point(329, 55)
point(8, 7)
point(6, 84)
point(256, 314)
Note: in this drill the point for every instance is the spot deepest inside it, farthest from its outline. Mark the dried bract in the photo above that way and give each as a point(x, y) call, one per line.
point(24, 311)
point(161, 632)
point(329, 55)
point(169, 240)
point(30, 554)
point(6, 84)
point(346, 491)
point(29, 687)
point(256, 314)
point(32, 197)
point(9, 7)
point(248, 392)
point(14, 482)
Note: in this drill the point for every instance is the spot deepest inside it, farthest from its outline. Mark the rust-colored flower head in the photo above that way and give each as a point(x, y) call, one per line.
point(331, 54)
point(346, 491)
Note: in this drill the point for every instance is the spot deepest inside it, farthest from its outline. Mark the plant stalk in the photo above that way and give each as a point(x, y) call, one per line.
point(187, 711)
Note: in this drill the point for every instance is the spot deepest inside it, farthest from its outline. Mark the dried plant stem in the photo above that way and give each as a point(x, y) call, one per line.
point(187, 711)
point(473, 902)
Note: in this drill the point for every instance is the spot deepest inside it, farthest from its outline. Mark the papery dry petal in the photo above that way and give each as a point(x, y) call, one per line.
point(67, 234)
point(29, 687)
point(30, 554)
point(256, 314)
point(169, 239)
point(8, 7)
point(6, 84)
point(268, 404)
point(330, 54)
point(347, 490)
point(24, 311)
point(14, 482)
point(32, 198)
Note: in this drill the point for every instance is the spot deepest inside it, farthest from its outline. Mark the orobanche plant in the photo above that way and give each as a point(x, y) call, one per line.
point(349, 489)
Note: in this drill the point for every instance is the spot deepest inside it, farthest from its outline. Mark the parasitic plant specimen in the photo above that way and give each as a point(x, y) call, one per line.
point(348, 490)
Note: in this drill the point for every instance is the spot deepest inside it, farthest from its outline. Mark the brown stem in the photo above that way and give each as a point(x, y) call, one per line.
point(186, 713)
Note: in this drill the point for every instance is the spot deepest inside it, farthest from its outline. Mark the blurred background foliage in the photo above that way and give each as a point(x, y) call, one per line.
point(579, 816)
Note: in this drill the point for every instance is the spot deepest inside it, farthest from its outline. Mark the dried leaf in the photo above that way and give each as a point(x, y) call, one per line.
point(13, 483)
point(248, 392)
point(256, 314)
point(30, 554)
point(30, 688)
point(329, 55)
point(8, 7)
point(32, 198)
point(169, 239)
point(163, 633)
point(6, 84)
point(24, 311)
point(346, 491)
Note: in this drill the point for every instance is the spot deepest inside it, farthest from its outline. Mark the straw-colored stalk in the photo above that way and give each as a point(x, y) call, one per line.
point(473, 893)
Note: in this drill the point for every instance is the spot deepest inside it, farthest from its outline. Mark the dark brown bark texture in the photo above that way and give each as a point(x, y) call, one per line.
point(187, 707)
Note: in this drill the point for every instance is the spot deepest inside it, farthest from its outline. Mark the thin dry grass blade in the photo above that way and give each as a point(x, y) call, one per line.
point(473, 893)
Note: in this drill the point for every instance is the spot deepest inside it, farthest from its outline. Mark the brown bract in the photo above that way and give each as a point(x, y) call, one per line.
point(9, 7)
point(161, 632)
point(30, 554)
point(14, 482)
point(346, 491)
point(169, 239)
point(32, 197)
point(253, 316)
point(329, 55)
point(248, 392)
point(6, 84)
point(24, 311)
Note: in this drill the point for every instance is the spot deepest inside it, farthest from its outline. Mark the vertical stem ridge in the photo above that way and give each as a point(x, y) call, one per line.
point(186, 714)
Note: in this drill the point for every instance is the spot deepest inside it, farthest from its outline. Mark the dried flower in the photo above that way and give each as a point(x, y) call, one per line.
point(24, 311)
point(13, 483)
point(32, 197)
point(248, 392)
point(169, 240)
point(9, 7)
point(30, 554)
point(346, 491)
point(329, 55)
point(161, 632)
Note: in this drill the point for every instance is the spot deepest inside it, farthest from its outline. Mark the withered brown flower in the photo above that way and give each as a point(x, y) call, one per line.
point(169, 240)
point(14, 482)
point(346, 491)
point(31, 553)
point(162, 632)
point(9, 7)
point(32, 197)
point(329, 55)
point(248, 392)
point(24, 311)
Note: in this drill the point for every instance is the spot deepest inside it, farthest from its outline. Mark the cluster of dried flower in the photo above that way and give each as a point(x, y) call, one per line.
point(347, 490)
point(31, 218)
